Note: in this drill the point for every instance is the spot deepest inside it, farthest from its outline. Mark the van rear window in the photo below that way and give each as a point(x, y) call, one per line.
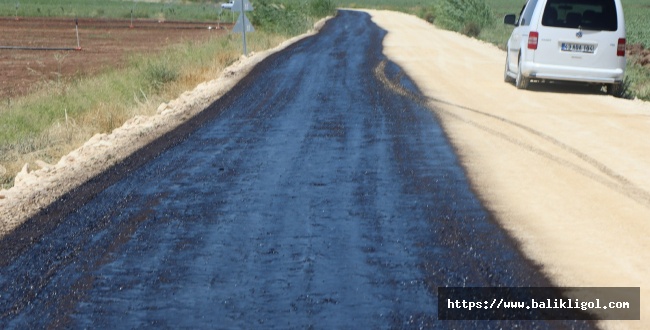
point(586, 14)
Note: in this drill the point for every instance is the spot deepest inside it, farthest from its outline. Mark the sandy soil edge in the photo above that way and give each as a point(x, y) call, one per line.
point(35, 188)
point(564, 170)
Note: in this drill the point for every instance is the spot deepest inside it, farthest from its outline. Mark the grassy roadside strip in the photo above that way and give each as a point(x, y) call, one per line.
point(483, 20)
point(62, 115)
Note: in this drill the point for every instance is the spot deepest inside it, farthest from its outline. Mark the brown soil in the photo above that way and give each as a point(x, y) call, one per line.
point(639, 54)
point(104, 43)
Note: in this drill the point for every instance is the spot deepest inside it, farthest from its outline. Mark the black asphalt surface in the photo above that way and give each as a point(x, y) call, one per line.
point(313, 195)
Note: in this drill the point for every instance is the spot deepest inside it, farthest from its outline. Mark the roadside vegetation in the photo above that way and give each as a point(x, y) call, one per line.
point(62, 114)
point(483, 19)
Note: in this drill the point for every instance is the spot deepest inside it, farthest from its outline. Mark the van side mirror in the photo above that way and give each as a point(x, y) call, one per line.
point(510, 19)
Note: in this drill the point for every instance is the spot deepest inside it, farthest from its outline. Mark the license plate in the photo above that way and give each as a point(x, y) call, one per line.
point(578, 48)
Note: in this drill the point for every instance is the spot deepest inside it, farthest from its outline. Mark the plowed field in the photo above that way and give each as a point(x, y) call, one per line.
point(31, 49)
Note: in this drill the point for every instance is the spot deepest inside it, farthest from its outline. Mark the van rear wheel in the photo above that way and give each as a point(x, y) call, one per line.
point(615, 90)
point(521, 82)
point(506, 77)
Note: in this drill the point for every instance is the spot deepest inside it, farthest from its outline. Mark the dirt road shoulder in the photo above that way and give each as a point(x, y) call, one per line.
point(565, 171)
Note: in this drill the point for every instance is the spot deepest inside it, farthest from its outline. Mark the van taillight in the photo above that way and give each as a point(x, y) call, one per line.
point(620, 49)
point(532, 40)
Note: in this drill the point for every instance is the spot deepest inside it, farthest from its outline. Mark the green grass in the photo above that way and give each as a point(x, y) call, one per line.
point(638, 79)
point(421, 8)
point(170, 10)
point(637, 21)
point(468, 17)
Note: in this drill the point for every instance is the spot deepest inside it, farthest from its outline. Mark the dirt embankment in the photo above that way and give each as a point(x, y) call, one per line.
point(564, 169)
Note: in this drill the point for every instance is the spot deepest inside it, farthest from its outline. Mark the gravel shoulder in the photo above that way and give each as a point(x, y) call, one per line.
point(565, 170)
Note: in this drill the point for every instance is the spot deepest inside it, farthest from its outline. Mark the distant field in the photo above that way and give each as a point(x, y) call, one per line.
point(42, 47)
point(103, 30)
point(168, 10)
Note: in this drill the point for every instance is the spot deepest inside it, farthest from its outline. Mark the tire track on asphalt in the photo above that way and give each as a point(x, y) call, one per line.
point(608, 177)
point(459, 234)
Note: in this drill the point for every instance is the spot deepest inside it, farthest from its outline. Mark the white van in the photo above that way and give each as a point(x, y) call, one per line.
point(569, 40)
point(228, 5)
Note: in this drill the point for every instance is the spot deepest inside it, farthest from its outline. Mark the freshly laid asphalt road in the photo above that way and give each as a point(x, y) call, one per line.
point(312, 195)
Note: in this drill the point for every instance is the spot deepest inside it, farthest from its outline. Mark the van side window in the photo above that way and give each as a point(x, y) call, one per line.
point(599, 15)
point(527, 13)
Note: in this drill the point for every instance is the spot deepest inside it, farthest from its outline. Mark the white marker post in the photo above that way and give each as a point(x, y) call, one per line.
point(219, 18)
point(243, 25)
point(76, 29)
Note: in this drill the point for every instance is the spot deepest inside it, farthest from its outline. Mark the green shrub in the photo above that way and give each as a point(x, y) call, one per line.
point(471, 29)
point(159, 73)
point(289, 17)
point(466, 16)
point(322, 8)
point(428, 14)
point(284, 18)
